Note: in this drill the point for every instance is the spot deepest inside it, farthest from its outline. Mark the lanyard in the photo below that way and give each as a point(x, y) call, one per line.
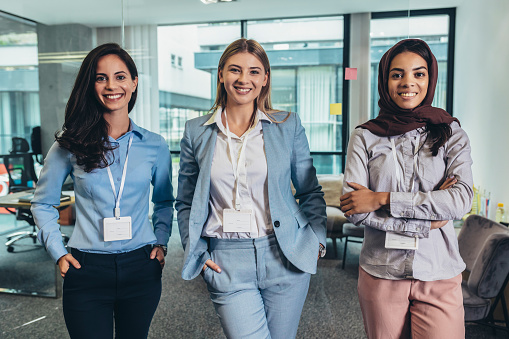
point(396, 164)
point(117, 198)
point(235, 164)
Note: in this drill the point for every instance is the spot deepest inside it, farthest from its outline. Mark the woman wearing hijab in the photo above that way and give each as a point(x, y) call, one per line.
point(407, 176)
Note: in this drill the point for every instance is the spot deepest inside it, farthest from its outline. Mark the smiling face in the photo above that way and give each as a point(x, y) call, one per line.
point(243, 77)
point(408, 80)
point(114, 85)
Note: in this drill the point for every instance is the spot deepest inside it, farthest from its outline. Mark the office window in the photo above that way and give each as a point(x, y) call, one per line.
point(188, 89)
point(434, 29)
point(19, 80)
point(306, 57)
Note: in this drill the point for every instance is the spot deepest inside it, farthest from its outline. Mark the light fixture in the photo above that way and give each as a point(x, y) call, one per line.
point(206, 2)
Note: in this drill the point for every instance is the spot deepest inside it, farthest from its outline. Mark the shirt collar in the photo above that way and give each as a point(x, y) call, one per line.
point(140, 132)
point(216, 117)
point(135, 129)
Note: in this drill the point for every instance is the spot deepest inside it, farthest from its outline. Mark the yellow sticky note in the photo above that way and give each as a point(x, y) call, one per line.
point(336, 109)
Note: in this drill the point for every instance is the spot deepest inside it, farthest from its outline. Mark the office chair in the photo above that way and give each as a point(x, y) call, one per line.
point(20, 169)
point(35, 141)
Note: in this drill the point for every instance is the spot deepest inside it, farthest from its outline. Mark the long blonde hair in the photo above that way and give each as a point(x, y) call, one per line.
point(263, 102)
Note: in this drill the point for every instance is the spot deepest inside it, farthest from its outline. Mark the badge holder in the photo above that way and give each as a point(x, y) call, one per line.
point(117, 228)
point(400, 242)
point(236, 220)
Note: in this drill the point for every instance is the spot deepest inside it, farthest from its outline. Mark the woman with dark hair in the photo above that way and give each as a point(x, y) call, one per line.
point(240, 224)
point(113, 271)
point(407, 176)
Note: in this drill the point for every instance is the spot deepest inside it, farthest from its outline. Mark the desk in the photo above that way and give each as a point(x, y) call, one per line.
point(23, 213)
point(12, 201)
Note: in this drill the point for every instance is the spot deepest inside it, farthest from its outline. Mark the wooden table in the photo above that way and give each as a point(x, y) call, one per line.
point(11, 201)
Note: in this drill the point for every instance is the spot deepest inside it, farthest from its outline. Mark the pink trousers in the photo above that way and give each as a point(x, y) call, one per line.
point(411, 308)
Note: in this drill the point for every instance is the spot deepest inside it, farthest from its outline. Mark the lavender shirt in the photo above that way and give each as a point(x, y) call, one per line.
point(370, 162)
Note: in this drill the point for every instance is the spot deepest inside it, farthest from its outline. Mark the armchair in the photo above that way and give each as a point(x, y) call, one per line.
point(332, 187)
point(484, 246)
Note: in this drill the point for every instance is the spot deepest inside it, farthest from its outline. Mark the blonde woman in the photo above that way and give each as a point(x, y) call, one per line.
point(240, 224)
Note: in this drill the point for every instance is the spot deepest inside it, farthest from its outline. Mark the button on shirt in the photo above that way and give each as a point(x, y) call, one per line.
point(252, 183)
point(149, 163)
point(370, 163)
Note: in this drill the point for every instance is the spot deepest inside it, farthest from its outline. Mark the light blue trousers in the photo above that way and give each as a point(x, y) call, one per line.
point(259, 293)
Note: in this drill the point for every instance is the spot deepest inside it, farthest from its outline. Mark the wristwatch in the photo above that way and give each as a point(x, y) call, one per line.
point(164, 248)
point(322, 251)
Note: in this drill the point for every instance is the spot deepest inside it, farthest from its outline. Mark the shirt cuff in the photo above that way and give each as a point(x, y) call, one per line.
point(402, 205)
point(58, 251)
point(412, 227)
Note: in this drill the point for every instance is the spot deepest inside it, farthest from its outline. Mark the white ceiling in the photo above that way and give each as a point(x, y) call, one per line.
point(104, 13)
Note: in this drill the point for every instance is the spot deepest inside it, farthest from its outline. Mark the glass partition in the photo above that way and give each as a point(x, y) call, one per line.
point(19, 80)
point(306, 57)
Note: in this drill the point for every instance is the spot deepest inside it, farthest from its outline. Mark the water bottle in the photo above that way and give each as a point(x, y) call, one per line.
point(500, 214)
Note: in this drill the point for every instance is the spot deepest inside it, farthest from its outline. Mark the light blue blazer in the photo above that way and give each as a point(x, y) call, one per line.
point(299, 226)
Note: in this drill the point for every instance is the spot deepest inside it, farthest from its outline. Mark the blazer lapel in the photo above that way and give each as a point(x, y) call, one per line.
point(275, 154)
point(204, 155)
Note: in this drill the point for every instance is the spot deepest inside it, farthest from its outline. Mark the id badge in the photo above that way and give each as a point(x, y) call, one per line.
point(402, 242)
point(117, 229)
point(237, 221)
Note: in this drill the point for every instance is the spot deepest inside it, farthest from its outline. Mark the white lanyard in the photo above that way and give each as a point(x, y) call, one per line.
point(236, 164)
point(117, 198)
point(396, 164)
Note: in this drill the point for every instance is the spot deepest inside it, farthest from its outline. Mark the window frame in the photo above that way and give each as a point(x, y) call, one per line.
point(451, 12)
point(345, 61)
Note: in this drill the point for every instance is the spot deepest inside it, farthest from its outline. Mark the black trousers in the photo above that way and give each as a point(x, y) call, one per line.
point(125, 287)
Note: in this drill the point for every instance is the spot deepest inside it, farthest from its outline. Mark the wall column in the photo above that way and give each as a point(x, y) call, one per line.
point(360, 58)
point(61, 51)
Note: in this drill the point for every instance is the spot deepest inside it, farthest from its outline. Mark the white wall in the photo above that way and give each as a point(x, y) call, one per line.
point(181, 41)
point(481, 98)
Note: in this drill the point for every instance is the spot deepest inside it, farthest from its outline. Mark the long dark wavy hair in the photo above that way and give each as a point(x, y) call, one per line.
point(85, 131)
point(438, 134)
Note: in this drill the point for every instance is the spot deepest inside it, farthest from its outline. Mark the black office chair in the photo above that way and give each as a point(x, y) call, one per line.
point(20, 169)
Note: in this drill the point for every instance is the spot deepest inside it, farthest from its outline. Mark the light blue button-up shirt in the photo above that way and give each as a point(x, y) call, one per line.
point(149, 162)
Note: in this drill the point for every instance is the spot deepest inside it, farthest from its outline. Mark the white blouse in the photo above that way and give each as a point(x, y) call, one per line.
point(252, 183)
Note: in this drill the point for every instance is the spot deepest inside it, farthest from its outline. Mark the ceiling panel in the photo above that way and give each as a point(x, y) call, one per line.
point(101, 13)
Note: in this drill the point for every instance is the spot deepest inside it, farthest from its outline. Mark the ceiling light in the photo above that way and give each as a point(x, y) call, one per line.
point(206, 2)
